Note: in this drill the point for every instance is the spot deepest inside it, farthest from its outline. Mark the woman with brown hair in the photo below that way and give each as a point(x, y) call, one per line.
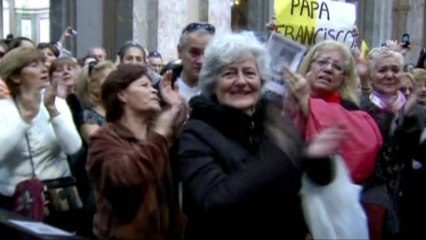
point(128, 158)
point(36, 127)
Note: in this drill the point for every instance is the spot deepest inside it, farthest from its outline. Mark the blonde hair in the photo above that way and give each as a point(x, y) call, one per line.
point(419, 74)
point(88, 85)
point(348, 89)
point(13, 63)
point(409, 76)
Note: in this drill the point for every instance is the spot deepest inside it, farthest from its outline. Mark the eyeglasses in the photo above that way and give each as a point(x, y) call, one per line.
point(91, 65)
point(197, 25)
point(324, 62)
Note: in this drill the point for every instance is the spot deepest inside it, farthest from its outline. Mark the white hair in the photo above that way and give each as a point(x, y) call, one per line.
point(227, 49)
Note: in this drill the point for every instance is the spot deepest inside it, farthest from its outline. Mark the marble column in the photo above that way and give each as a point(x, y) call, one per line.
point(1, 18)
point(415, 26)
point(378, 21)
point(219, 14)
point(89, 25)
point(172, 18)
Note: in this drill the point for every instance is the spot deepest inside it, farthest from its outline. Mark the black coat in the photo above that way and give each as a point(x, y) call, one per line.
point(238, 183)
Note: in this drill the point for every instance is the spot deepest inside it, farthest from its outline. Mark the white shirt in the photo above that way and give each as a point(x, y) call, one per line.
point(186, 91)
point(50, 140)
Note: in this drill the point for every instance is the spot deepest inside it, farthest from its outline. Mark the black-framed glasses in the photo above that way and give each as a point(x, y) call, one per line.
point(199, 25)
point(91, 65)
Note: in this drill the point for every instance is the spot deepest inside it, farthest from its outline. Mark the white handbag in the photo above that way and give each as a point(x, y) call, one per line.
point(334, 211)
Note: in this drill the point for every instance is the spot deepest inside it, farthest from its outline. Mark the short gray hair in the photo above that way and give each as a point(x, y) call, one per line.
point(377, 54)
point(183, 40)
point(227, 49)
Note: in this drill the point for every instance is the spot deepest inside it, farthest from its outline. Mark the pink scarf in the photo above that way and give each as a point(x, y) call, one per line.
point(385, 102)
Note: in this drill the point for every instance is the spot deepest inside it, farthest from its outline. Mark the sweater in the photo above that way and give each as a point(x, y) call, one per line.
point(49, 139)
point(135, 197)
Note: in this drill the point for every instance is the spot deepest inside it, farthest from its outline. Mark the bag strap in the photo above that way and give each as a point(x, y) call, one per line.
point(28, 142)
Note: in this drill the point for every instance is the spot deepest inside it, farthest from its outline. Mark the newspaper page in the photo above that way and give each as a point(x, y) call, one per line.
point(41, 228)
point(283, 52)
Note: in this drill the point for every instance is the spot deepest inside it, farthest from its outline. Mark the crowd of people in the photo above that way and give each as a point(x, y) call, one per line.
point(194, 149)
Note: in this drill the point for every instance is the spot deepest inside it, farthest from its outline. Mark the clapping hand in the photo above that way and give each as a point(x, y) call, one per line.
point(299, 87)
point(169, 93)
point(327, 142)
point(50, 97)
point(173, 117)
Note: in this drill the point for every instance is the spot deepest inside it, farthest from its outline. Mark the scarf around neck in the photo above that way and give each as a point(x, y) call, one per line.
point(385, 102)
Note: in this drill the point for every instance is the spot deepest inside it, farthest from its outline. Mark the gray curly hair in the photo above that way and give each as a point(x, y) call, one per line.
point(227, 49)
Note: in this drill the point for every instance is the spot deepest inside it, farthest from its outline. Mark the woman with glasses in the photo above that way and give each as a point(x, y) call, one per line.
point(399, 126)
point(324, 93)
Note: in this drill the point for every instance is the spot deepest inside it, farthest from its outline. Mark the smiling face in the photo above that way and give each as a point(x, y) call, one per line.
point(386, 76)
point(327, 72)
point(239, 85)
point(140, 97)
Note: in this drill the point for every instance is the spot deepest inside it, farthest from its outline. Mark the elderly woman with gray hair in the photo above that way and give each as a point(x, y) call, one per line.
point(399, 126)
point(241, 163)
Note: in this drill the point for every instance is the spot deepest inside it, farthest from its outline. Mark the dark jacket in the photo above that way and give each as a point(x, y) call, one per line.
point(135, 197)
point(393, 165)
point(239, 182)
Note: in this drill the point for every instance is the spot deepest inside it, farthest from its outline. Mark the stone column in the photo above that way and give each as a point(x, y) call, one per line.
point(378, 21)
point(89, 25)
point(219, 14)
point(63, 14)
point(415, 26)
point(1, 18)
point(172, 18)
point(145, 24)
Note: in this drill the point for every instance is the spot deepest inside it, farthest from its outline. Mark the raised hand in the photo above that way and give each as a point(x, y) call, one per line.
point(327, 142)
point(169, 93)
point(299, 87)
point(50, 97)
point(173, 117)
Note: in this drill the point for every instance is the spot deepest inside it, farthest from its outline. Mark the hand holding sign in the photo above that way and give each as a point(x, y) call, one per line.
point(311, 21)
